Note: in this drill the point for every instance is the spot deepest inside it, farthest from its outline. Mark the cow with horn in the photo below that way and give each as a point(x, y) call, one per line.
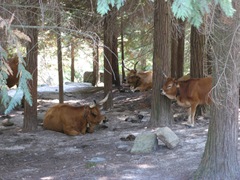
point(73, 120)
point(139, 81)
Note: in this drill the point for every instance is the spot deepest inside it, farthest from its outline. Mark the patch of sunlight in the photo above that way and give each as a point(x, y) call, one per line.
point(47, 178)
point(145, 166)
point(129, 176)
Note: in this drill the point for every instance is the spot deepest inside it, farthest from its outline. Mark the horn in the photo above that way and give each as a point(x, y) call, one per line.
point(93, 104)
point(164, 74)
point(135, 66)
point(125, 66)
point(104, 100)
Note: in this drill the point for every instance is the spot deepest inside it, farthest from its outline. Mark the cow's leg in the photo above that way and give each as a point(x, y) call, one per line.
point(139, 88)
point(70, 131)
point(91, 128)
point(191, 115)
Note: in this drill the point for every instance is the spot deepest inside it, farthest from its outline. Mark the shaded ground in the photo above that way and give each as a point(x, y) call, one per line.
point(105, 154)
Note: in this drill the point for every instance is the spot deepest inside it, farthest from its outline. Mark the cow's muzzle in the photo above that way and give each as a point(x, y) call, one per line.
point(162, 92)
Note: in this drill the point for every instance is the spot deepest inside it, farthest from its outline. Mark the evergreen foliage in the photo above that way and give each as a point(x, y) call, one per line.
point(3, 78)
point(192, 10)
point(15, 38)
point(103, 5)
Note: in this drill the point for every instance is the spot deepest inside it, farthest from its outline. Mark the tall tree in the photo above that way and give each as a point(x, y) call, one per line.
point(59, 55)
point(122, 50)
point(96, 77)
point(220, 160)
point(108, 35)
point(160, 114)
point(72, 46)
point(197, 53)
point(177, 51)
point(30, 121)
point(115, 66)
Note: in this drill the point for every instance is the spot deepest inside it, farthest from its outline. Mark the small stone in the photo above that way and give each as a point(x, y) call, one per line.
point(145, 143)
point(168, 137)
point(6, 122)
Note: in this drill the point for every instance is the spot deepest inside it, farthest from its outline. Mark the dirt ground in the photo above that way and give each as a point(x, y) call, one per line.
point(105, 154)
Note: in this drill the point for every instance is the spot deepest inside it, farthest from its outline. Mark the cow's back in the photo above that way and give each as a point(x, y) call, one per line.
point(196, 90)
point(53, 118)
point(63, 116)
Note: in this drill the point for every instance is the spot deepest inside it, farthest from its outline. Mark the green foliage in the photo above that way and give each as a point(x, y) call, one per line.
point(103, 5)
point(226, 6)
point(191, 10)
point(22, 88)
point(194, 10)
point(3, 79)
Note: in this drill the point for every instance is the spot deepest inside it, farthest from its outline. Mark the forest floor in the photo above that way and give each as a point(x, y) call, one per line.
point(104, 154)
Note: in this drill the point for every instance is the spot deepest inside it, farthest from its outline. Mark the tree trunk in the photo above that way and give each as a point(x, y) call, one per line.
point(197, 52)
point(180, 53)
point(122, 52)
point(220, 156)
point(59, 55)
point(96, 77)
point(30, 120)
point(161, 114)
point(197, 56)
point(116, 78)
point(177, 52)
point(72, 60)
point(108, 60)
point(115, 67)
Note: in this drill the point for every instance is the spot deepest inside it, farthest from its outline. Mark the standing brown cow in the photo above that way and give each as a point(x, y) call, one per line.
point(189, 93)
point(73, 120)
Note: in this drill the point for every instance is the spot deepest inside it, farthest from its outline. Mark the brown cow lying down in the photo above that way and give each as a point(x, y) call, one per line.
point(74, 120)
point(189, 93)
point(139, 81)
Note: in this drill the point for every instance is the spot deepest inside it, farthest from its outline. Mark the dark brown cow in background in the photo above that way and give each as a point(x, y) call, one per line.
point(73, 120)
point(139, 81)
point(13, 77)
point(189, 93)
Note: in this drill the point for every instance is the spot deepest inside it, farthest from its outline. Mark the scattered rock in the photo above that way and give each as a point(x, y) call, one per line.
point(145, 143)
point(97, 159)
point(168, 137)
point(6, 122)
point(130, 137)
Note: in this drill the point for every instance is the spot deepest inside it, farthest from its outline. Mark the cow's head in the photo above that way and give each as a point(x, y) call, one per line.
point(132, 78)
point(94, 116)
point(170, 88)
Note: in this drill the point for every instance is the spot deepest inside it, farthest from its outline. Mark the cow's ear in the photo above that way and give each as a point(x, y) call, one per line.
point(93, 104)
point(93, 112)
point(176, 83)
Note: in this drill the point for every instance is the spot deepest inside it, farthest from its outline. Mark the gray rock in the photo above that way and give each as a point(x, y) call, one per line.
point(168, 137)
point(145, 143)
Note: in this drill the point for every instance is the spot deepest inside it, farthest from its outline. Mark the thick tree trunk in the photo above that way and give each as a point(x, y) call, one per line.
point(161, 114)
point(108, 60)
point(177, 51)
point(220, 156)
point(197, 52)
point(30, 120)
